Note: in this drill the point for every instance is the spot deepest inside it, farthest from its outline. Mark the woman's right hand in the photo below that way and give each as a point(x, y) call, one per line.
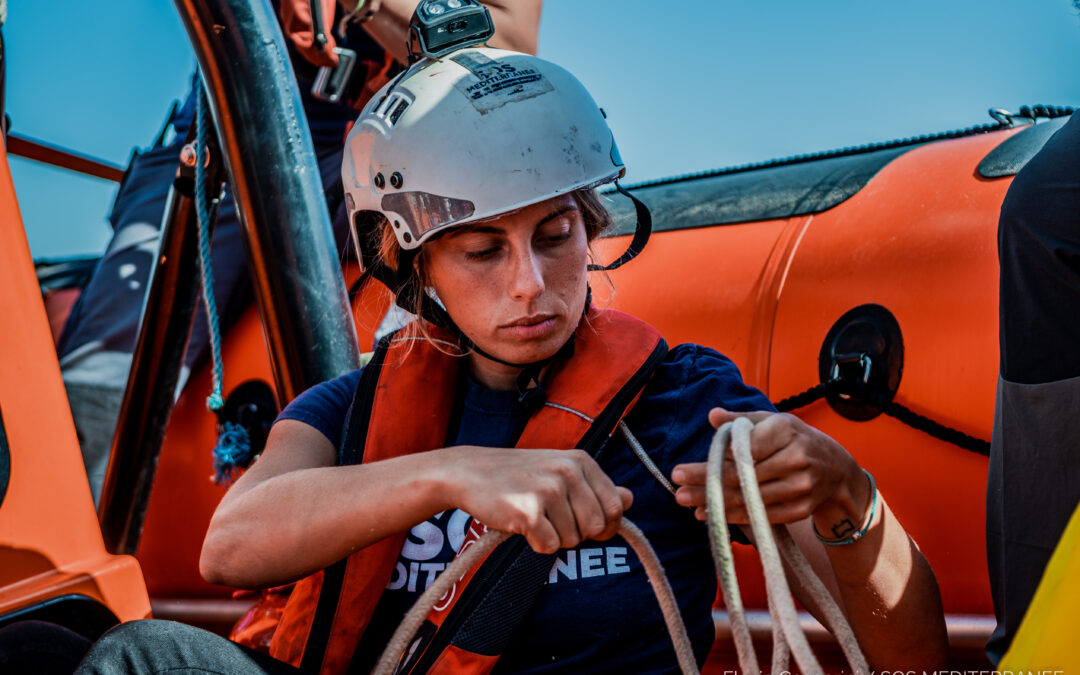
point(555, 498)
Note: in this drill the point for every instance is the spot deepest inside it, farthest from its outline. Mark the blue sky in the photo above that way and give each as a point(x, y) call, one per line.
point(688, 85)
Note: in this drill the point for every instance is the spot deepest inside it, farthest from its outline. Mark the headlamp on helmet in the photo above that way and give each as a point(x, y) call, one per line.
point(438, 27)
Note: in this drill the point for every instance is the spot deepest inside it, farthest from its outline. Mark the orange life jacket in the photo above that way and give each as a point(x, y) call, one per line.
point(403, 405)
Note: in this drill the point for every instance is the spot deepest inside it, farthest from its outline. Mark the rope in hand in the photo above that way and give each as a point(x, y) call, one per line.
point(772, 541)
point(468, 557)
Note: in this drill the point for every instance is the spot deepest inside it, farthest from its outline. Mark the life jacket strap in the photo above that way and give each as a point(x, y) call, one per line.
point(484, 620)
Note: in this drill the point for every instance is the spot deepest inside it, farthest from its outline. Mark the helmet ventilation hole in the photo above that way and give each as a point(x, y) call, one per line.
point(392, 108)
point(397, 112)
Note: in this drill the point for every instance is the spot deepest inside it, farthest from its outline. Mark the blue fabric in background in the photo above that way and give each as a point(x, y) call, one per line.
point(106, 316)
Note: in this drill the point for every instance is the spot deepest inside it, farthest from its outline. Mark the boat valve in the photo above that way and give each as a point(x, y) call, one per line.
point(861, 361)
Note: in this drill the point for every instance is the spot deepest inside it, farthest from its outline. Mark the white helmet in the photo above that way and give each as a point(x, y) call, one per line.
point(472, 135)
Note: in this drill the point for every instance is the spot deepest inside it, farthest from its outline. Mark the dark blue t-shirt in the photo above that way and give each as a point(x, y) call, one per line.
point(597, 612)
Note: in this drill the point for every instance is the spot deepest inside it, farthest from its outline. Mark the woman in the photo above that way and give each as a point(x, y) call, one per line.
point(470, 183)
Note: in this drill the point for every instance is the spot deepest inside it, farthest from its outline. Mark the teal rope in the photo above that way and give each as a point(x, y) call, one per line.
point(215, 401)
point(233, 449)
point(233, 452)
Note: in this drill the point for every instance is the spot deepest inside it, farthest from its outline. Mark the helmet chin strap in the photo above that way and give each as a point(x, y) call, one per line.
point(530, 388)
point(641, 233)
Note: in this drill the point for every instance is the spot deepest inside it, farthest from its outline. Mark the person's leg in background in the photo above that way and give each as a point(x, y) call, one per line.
point(1034, 478)
point(99, 336)
point(40, 648)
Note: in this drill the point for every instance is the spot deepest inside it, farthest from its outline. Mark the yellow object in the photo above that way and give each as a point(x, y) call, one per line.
point(1047, 637)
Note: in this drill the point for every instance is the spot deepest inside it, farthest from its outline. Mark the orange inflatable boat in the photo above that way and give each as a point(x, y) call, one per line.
point(862, 280)
point(774, 266)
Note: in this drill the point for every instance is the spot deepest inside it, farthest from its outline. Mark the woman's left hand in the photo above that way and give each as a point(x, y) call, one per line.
point(801, 471)
point(884, 585)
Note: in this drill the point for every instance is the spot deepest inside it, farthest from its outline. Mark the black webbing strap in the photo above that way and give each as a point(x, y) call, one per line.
point(323, 621)
point(350, 451)
point(351, 446)
point(641, 233)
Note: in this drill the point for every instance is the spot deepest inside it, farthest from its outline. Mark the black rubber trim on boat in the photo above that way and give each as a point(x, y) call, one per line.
point(5, 460)
point(1008, 158)
point(780, 190)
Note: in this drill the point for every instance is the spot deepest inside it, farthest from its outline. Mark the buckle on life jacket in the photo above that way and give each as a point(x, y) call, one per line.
point(331, 83)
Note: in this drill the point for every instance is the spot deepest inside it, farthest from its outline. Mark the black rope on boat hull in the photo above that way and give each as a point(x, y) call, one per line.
point(890, 408)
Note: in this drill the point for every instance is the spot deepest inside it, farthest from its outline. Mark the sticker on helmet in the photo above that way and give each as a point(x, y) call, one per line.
point(496, 83)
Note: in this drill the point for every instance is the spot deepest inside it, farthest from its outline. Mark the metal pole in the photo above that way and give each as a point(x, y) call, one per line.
point(275, 181)
point(24, 146)
point(299, 289)
point(155, 369)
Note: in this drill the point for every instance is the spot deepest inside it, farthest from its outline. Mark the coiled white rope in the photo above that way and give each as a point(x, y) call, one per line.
point(772, 541)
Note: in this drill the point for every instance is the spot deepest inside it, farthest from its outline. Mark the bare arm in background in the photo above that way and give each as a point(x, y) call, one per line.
point(517, 24)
